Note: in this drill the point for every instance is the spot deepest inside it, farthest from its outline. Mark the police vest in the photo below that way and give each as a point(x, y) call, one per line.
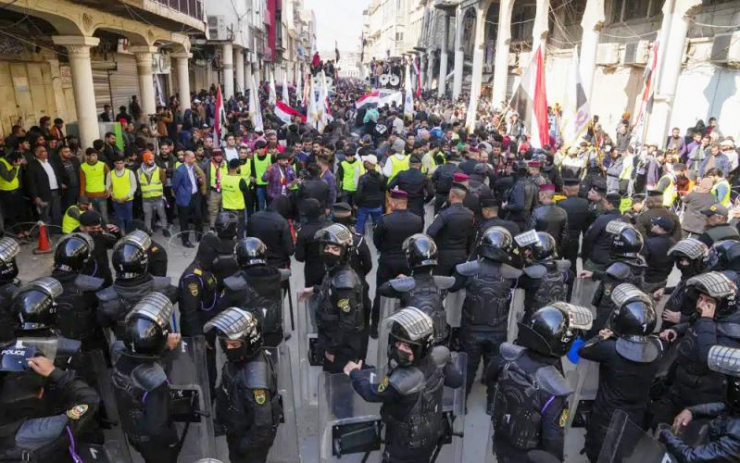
point(69, 223)
point(151, 187)
point(670, 192)
point(725, 199)
point(352, 172)
point(232, 198)
point(94, 177)
point(224, 173)
point(398, 165)
point(121, 185)
point(260, 167)
point(9, 185)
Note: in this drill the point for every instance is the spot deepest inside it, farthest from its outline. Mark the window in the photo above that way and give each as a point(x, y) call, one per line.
point(635, 9)
point(522, 22)
point(399, 36)
point(574, 12)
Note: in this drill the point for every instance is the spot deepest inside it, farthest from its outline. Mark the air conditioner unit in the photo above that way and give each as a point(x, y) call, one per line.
point(217, 29)
point(726, 49)
point(607, 54)
point(636, 53)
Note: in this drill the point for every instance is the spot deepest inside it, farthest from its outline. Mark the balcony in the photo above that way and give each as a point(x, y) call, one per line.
point(192, 8)
point(447, 5)
point(168, 14)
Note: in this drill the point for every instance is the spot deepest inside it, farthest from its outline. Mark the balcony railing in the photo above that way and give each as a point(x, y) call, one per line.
point(192, 8)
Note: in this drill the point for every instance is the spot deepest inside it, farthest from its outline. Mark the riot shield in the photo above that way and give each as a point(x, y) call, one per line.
point(626, 442)
point(349, 428)
point(191, 399)
point(453, 308)
point(583, 293)
point(310, 360)
point(15, 355)
point(516, 313)
point(113, 451)
point(388, 306)
point(450, 448)
point(584, 394)
point(285, 446)
point(109, 417)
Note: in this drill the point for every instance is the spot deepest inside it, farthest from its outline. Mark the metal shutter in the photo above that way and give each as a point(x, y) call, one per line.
point(102, 89)
point(125, 81)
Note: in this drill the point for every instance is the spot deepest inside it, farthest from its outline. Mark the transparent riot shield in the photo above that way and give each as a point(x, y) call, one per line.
point(191, 399)
point(349, 427)
point(310, 359)
point(113, 451)
point(14, 356)
point(581, 401)
point(285, 446)
point(453, 308)
point(109, 417)
point(388, 306)
point(626, 442)
point(516, 314)
point(450, 448)
point(583, 293)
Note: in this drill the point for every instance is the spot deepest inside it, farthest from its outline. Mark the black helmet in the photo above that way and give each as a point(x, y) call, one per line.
point(250, 252)
point(73, 251)
point(412, 327)
point(337, 235)
point(147, 326)
point(33, 304)
point(130, 255)
point(227, 224)
point(553, 328)
point(421, 251)
point(627, 241)
point(635, 315)
point(496, 244)
point(541, 246)
point(8, 250)
point(716, 285)
point(724, 255)
point(234, 324)
point(726, 360)
point(694, 251)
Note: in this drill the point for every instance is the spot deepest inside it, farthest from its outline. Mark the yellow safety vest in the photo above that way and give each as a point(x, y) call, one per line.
point(670, 192)
point(151, 188)
point(260, 166)
point(429, 170)
point(69, 223)
point(94, 177)
point(232, 198)
point(245, 170)
point(9, 185)
point(398, 165)
point(224, 172)
point(725, 199)
point(295, 185)
point(121, 186)
point(627, 166)
point(351, 173)
point(177, 164)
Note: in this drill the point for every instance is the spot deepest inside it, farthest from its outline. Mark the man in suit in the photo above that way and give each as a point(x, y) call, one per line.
point(188, 186)
point(44, 182)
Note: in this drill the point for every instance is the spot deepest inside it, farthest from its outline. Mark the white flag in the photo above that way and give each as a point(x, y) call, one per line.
point(408, 104)
point(272, 97)
point(576, 111)
point(286, 97)
point(311, 112)
point(255, 112)
point(299, 89)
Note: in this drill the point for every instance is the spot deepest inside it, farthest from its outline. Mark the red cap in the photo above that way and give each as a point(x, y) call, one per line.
point(398, 194)
point(534, 163)
point(460, 177)
point(547, 187)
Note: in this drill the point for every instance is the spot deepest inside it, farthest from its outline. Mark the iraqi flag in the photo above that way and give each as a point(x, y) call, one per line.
point(648, 93)
point(576, 110)
point(220, 119)
point(368, 99)
point(530, 101)
point(285, 113)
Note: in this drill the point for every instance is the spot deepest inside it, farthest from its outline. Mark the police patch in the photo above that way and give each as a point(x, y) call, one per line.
point(563, 418)
point(607, 289)
point(384, 385)
point(193, 287)
point(76, 412)
point(198, 271)
point(343, 304)
point(155, 249)
point(259, 396)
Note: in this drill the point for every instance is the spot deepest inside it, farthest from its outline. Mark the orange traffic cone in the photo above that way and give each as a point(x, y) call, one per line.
point(44, 242)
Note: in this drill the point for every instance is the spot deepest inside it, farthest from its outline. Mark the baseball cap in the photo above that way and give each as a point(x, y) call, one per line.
point(371, 158)
point(716, 209)
point(663, 222)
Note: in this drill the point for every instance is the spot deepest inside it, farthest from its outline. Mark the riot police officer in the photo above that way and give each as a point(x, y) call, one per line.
point(247, 399)
point(453, 231)
point(688, 256)
point(339, 315)
point(412, 391)
point(628, 355)
point(627, 266)
point(223, 264)
point(9, 249)
point(485, 311)
point(133, 281)
point(157, 254)
point(422, 290)
point(256, 287)
point(545, 279)
point(531, 369)
point(550, 217)
point(139, 380)
point(522, 198)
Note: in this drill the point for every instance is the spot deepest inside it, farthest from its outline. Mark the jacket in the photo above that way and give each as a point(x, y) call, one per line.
point(693, 220)
point(37, 182)
point(182, 187)
point(370, 190)
point(721, 162)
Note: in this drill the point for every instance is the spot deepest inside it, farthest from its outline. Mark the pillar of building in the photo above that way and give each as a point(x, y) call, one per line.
point(143, 56)
point(592, 22)
point(228, 57)
point(501, 64)
point(422, 69)
point(442, 82)
point(78, 50)
point(239, 66)
point(541, 26)
point(183, 78)
point(430, 70)
point(459, 55)
point(247, 76)
point(477, 78)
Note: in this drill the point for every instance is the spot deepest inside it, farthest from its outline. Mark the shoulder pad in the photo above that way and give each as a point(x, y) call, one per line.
point(37, 432)
point(407, 380)
point(619, 270)
point(511, 352)
point(149, 376)
point(235, 283)
point(117, 349)
point(468, 269)
point(441, 356)
point(444, 282)
point(161, 283)
point(509, 272)
point(535, 271)
point(562, 265)
point(552, 381)
point(257, 375)
point(345, 280)
point(403, 285)
point(284, 274)
point(108, 294)
point(729, 329)
point(88, 283)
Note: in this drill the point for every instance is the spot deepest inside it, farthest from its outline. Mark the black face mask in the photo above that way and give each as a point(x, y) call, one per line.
point(330, 260)
point(235, 355)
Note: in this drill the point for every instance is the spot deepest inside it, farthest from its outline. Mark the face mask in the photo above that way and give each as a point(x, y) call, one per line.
point(330, 260)
point(235, 355)
point(398, 357)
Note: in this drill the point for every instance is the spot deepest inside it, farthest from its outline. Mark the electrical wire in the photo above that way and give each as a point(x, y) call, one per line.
point(33, 43)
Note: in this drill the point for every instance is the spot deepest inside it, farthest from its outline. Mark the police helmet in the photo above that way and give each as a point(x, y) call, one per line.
point(337, 235)
point(553, 328)
point(635, 315)
point(250, 252)
point(541, 246)
point(234, 324)
point(147, 326)
point(726, 360)
point(414, 328)
point(692, 250)
point(9, 248)
point(421, 251)
point(724, 255)
point(627, 241)
point(130, 255)
point(33, 304)
point(716, 285)
point(227, 224)
point(496, 244)
point(73, 252)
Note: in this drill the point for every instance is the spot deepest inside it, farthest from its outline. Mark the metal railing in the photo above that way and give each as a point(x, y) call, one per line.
point(192, 8)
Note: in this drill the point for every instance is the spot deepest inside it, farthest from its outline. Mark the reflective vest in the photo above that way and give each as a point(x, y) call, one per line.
point(295, 185)
point(627, 166)
point(94, 177)
point(177, 164)
point(9, 185)
point(670, 192)
point(224, 172)
point(352, 172)
point(69, 223)
point(121, 185)
point(725, 199)
point(398, 165)
point(260, 166)
point(429, 170)
point(232, 198)
point(150, 188)
point(245, 170)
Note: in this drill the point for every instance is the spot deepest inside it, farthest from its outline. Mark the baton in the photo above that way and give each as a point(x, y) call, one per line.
point(290, 306)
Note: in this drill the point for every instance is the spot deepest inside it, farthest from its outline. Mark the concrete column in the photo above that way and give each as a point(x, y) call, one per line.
point(592, 22)
point(422, 68)
point(459, 55)
point(430, 70)
point(247, 76)
point(501, 64)
point(442, 82)
point(143, 56)
point(239, 65)
point(477, 81)
point(540, 29)
point(183, 78)
point(78, 49)
point(228, 56)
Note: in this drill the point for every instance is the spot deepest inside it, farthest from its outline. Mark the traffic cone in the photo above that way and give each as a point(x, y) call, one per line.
point(44, 242)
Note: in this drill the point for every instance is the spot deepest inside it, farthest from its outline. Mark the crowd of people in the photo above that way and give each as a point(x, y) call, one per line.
point(507, 217)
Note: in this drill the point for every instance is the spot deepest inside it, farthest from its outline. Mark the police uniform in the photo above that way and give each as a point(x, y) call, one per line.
point(416, 185)
point(453, 230)
point(553, 219)
point(442, 179)
point(597, 242)
point(521, 200)
point(579, 218)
